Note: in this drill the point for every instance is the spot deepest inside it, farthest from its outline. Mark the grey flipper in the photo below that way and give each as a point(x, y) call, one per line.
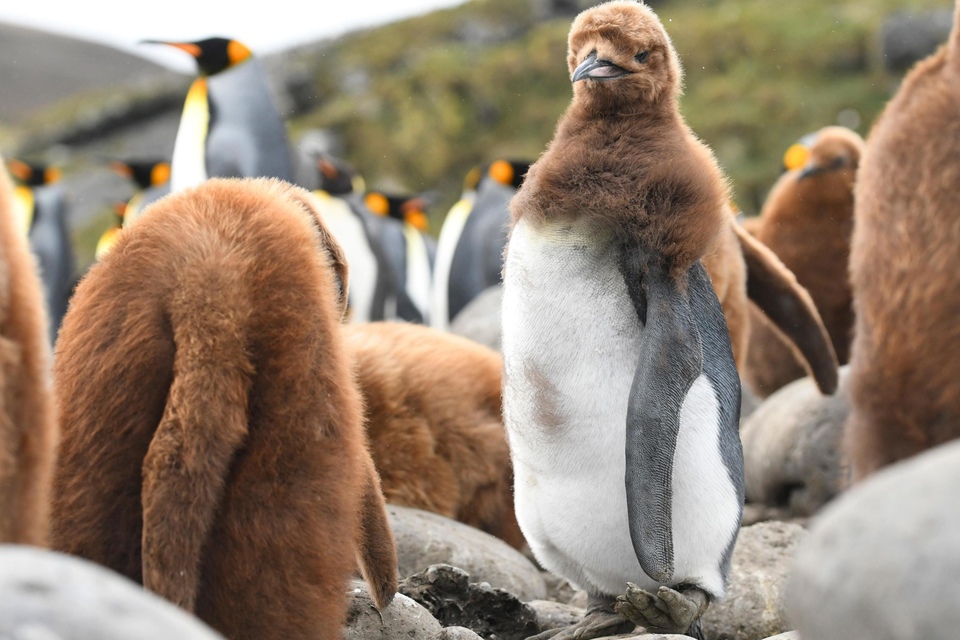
point(685, 335)
point(50, 241)
point(247, 136)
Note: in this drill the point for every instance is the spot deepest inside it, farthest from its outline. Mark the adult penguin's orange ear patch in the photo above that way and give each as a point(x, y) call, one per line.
point(796, 156)
point(338, 258)
point(775, 290)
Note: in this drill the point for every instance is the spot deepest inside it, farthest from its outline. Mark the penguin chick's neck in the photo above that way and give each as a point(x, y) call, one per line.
point(644, 177)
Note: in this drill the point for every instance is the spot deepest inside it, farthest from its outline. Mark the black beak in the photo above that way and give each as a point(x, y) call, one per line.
point(597, 69)
point(812, 169)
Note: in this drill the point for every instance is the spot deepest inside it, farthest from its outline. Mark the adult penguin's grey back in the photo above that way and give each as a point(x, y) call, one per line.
point(478, 257)
point(247, 136)
point(50, 240)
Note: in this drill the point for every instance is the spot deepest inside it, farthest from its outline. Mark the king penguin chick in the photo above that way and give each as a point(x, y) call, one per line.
point(228, 470)
point(807, 221)
point(28, 426)
point(904, 374)
point(230, 126)
point(45, 207)
point(419, 250)
point(152, 180)
point(621, 398)
point(433, 415)
point(373, 289)
point(474, 233)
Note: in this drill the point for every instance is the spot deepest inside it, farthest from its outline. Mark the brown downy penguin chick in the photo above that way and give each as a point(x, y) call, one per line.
point(434, 423)
point(807, 221)
point(213, 444)
point(904, 374)
point(28, 429)
point(621, 397)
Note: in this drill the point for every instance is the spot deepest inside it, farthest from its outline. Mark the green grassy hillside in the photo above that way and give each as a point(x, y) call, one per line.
point(420, 101)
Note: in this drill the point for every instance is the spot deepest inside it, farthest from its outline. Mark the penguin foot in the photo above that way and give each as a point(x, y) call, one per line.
point(666, 612)
point(601, 621)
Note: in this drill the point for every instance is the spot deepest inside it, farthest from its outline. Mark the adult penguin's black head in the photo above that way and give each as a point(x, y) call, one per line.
point(509, 173)
point(213, 55)
point(32, 174)
point(145, 173)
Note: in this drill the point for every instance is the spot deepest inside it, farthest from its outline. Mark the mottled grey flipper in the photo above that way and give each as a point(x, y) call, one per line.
point(685, 336)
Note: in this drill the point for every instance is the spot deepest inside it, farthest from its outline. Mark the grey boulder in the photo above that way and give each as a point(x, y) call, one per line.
point(791, 448)
point(454, 600)
point(882, 562)
point(403, 618)
point(480, 320)
point(753, 608)
point(424, 539)
point(50, 596)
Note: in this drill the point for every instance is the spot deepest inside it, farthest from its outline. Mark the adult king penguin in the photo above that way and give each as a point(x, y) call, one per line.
point(152, 179)
point(44, 217)
point(230, 126)
point(621, 398)
point(474, 233)
point(373, 288)
point(418, 251)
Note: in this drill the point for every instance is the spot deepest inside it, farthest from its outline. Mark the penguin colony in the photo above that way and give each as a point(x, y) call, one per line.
point(631, 299)
point(28, 427)
point(212, 436)
point(807, 221)
point(605, 291)
point(904, 376)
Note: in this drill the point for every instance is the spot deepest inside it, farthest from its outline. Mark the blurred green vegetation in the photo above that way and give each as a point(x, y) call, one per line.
point(420, 102)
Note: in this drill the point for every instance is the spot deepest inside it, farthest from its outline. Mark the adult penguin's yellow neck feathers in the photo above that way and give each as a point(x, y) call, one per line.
point(189, 150)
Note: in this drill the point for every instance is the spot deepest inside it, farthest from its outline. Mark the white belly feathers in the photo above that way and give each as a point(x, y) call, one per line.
point(571, 341)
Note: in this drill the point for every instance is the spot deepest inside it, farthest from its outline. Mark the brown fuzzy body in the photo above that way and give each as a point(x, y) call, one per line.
point(212, 433)
point(905, 377)
point(434, 423)
point(28, 428)
point(808, 223)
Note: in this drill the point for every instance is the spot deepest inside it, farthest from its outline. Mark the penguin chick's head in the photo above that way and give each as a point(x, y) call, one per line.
point(831, 164)
point(620, 57)
point(213, 55)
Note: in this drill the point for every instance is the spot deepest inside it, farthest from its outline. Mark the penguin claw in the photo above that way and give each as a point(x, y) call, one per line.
point(667, 611)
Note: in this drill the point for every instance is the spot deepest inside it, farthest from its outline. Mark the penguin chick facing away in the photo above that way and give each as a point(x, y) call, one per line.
point(807, 221)
point(28, 428)
point(434, 423)
point(213, 445)
point(621, 398)
point(904, 374)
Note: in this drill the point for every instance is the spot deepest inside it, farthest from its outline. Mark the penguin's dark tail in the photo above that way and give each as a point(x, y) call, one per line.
point(203, 425)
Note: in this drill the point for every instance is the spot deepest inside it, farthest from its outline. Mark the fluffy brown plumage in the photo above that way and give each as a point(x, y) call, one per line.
point(434, 423)
point(807, 221)
point(904, 374)
point(213, 446)
point(640, 162)
point(28, 429)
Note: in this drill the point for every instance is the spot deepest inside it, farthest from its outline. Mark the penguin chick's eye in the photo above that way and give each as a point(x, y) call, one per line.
point(642, 56)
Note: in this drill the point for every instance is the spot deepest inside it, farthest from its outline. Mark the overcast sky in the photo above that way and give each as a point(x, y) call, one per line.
point(263, 25)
